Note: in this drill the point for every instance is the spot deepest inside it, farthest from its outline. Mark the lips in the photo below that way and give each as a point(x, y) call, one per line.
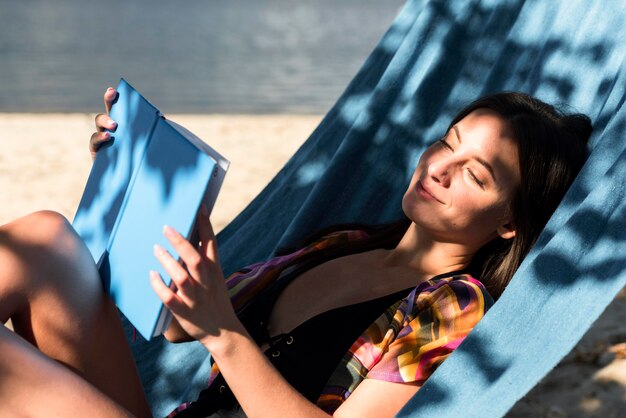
point(426, 192)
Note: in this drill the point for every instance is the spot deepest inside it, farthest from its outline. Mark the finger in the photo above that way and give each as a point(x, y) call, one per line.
point(105, 123)
point(97, 140)
point(187, 253)
point(170, 299)
point(181, 278)
point(207, 236)
point(109, 97)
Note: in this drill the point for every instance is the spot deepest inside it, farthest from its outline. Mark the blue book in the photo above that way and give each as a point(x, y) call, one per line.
point(153, 173)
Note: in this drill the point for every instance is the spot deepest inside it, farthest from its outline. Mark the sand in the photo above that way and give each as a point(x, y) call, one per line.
point(44, 163)
point(44, 159)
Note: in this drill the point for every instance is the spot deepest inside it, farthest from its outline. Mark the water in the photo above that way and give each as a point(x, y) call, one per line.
point(193, 56)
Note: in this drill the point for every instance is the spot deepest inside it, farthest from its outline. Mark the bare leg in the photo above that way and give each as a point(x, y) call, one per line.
point(50, 289)
point(32, 384)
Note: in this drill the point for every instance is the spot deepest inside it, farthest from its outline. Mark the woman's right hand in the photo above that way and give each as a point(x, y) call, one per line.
point(104, 124)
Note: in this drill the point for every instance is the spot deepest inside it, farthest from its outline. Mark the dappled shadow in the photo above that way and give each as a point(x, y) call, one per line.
point(399, 102)
point(112, 170)
point(451, 54)
point(172, 373)
point(436, 57)
point(168, 176)
point(587, 382)
point(116, 166)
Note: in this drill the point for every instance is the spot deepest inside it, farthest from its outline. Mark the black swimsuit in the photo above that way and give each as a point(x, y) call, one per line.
point(304, 356)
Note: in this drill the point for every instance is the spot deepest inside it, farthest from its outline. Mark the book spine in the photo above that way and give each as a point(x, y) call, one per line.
point(131, 182)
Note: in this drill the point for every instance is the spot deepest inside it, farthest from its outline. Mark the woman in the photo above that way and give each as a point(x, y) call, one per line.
point(407, 294)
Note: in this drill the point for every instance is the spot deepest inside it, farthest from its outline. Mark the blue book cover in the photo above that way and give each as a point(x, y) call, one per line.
point(154, 173)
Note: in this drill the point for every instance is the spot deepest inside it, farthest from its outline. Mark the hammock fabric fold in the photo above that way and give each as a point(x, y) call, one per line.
point(435, 58)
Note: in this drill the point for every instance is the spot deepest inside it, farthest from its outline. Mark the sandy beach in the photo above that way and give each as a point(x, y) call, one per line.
point(44, 164)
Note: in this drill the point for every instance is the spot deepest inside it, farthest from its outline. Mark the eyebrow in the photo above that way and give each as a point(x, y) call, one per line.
point(483, 162)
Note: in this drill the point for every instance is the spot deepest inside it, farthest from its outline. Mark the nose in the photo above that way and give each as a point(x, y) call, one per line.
point(439, 171)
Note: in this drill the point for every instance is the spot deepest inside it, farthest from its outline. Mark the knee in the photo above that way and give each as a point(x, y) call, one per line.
point(48, 222)
point(43, 250)
point(37, 238)
point(43, 228)
point(25, 247)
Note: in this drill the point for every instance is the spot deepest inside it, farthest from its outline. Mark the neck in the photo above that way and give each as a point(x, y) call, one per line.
point(419, 251)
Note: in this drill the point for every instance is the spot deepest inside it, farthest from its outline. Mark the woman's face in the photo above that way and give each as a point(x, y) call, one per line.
point(463, 185)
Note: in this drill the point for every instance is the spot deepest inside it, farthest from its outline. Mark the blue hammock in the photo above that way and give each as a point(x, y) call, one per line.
point(436, 57)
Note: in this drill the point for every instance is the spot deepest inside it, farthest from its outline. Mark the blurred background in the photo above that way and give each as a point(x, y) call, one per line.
point(253, 78)
point(196, 56)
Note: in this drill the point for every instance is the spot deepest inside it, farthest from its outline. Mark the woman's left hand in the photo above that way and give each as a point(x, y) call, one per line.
point(200, 301)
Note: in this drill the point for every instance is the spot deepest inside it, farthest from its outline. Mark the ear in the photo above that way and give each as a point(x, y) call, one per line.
point(506, 231)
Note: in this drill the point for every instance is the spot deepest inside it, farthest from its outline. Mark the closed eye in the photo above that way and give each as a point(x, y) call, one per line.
point(476, 179)
point(443, 143)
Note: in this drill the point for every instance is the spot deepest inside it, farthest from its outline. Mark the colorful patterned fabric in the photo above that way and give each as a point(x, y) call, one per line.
point(412, 338)
point(405, 344)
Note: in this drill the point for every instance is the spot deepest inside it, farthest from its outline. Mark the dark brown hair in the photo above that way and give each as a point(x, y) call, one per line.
point(552, 147)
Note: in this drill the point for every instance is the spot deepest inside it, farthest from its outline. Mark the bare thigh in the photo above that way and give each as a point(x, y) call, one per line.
point(33, 385)
point(50, 289)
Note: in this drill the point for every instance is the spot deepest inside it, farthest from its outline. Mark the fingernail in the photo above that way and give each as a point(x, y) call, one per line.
point(154, 274)
point(110, 89)
point(158, 250)
point(111, 123)
point(203, 210)
point(168, 231)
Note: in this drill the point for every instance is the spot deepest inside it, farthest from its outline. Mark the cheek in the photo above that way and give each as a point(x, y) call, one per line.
point(408, 201)
point(475, 211)
point(492, 217)
point(414, 178)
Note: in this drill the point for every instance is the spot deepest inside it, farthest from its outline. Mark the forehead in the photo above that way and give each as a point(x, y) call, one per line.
point(486, 125)
point(486, 135)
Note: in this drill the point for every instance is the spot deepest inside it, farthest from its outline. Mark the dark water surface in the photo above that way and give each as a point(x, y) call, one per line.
point(229, 56)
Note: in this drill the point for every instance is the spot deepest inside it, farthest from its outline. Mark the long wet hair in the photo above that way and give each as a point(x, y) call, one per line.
point(552, 147)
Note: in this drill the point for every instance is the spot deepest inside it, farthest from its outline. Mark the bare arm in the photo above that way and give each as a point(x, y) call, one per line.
point(203, 309)
point(377, 398)
point(263, 392)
